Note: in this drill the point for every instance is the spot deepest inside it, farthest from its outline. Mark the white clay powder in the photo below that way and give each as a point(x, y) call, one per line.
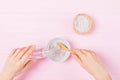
point(82, 24)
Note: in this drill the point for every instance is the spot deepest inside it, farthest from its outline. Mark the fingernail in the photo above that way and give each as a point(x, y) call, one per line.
point(23, 48)
point(32, 45)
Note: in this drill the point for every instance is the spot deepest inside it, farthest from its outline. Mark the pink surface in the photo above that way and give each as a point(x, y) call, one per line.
point(24, 22)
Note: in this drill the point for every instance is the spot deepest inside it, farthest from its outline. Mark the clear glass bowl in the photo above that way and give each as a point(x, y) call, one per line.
point(53, 51)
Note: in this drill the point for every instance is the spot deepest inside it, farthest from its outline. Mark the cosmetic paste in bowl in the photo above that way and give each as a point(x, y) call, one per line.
point(55, 52)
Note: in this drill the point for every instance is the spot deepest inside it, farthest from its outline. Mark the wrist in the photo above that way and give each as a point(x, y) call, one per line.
point(5, 77)
point(104, 76)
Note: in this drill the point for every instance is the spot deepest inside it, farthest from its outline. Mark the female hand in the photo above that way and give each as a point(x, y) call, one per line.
point(17, 62)
point(91, 63)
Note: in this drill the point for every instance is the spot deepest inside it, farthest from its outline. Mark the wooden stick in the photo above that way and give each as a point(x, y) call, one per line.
point(63, 47)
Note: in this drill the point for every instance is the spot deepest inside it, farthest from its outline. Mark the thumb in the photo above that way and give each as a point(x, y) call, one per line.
point(27, 65)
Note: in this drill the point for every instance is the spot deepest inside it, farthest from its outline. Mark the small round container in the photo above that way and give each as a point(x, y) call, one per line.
point(55, 53)
point(83, 24)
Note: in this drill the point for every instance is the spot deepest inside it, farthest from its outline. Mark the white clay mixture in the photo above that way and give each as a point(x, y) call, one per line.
point(56, 53)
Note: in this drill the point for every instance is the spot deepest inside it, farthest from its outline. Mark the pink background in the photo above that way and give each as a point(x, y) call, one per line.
point(25, 22)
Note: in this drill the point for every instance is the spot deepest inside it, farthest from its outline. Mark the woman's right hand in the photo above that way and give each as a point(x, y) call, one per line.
point(91, 63)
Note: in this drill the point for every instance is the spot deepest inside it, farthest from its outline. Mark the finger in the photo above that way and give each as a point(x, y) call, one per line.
point(16, 52)
point(92, 52)
point(78, 53)
point(77, 59)
point(89, 51)
point(95, 55)
point(12, 52)
point(72, 52)
point(27, 65)
point(28, 53)
point(23, 50)
point(86, 52)
point(22, 53)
